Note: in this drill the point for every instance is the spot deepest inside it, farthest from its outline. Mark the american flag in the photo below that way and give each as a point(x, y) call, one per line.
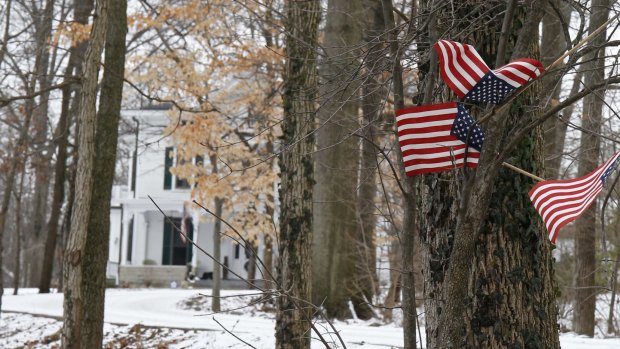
point(466, 73)
point(560, 202)
point(433, 138)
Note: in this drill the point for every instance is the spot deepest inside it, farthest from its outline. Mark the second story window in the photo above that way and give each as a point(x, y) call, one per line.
point(170, 161)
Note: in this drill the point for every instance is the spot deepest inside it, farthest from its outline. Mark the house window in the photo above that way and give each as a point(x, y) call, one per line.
point(177, 250)
point(237, 248)
point(172, 160)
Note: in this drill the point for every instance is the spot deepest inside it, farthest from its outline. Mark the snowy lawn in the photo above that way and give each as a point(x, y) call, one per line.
point(165, 318)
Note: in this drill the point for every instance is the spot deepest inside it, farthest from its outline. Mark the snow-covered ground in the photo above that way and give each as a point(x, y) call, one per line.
point(166, 318)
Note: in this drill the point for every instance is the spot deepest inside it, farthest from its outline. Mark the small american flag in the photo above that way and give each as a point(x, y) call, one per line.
point(560, 202)
point(466, 73)
point(433, 138)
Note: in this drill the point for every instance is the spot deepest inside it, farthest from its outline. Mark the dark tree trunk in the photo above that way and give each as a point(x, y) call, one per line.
point(293, 322)
point(75, 305)
point(590, 147)
point(488, 267)
point(98, 238)
point(82, 9)
point(18, 233)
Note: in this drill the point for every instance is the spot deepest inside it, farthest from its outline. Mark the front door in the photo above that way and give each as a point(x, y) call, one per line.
point(177, 250)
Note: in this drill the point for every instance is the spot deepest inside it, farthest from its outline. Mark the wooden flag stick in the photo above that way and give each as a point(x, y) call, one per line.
point(523, 172)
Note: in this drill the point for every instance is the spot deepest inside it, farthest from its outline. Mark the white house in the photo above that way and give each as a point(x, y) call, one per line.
point(145, 248)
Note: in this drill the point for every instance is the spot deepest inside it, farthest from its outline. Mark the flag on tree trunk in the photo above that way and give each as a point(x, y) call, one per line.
point(466, 73)
point(560, 202)
point(434, 138)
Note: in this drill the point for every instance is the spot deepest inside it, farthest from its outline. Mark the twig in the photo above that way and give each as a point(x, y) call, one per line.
point(234, 335)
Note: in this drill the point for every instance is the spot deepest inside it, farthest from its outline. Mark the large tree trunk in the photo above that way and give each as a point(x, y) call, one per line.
point(336, 162)
point(488, 267)
point(98, 238)
point(74, 267)
point(293, 322)
point(585, 237)
point(81, 10)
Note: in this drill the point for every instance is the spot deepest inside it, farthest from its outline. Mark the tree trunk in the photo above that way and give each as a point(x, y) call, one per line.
point(293, 322)
point(336, 162)
point(82, 9)
point(591, 120)
point(97, 241)
point(268, 261)
point(40, 158)
point(74, 268)
point(251, 254)
point(217, 272)
point(410, 229)
point(488, 267)
point(393, 295)
point(18, 233)
point(367, 282)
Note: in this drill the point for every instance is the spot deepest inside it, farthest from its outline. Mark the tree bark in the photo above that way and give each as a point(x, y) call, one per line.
point(590, 147)
point(74, 268)
point(488, 267)
point(98, 238)
point(296, 164)
point(81, 10)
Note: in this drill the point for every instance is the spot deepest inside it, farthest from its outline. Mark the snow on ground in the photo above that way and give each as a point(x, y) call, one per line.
point(166, 318)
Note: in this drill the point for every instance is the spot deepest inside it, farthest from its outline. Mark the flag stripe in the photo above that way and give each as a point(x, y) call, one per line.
point(448, 71)
point(426, 139)
point(464, 70)
point(559, 202)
